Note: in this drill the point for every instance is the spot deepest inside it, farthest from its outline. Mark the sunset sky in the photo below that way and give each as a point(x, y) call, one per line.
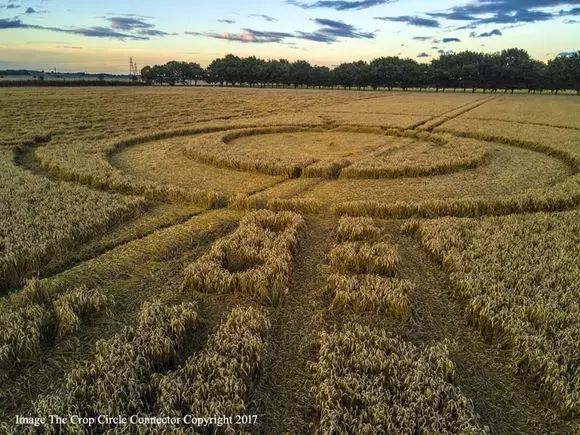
point(101, 36)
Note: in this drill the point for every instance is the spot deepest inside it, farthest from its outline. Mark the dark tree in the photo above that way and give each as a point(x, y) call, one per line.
point(509, 70)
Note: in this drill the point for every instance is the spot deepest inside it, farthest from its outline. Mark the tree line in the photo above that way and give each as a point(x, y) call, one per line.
point(507, 70)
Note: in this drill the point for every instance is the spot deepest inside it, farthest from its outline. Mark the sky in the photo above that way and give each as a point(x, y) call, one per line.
point(101, 36)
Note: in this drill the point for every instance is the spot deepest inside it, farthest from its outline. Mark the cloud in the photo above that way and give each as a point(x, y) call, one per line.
point(330, 31)
point(445, 40)
point(264, 17)
point(574, 11)
point(227, 21)
point(136, 24)
point(247, 36)
point(411, 20)
point(129, 23)
point(30, 11)
point(340, 5)
point(122, 28)
point(155, 32)
point(70, 47)
point(10, 5)
point(507, 11)
point(422, 38)
point(566, 53)
point(521, 16)
point(94, 32)
point(7, 23)
point(339, 29)
point(494, 32)
point(423, 54)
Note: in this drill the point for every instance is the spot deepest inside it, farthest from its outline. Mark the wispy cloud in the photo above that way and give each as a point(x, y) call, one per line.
point(340, 5)
point(129, 23)
point(121, 28)
point(423, 54)
point(247, 36)
point(264, 17)
point(10, 5)
point(226, 21)
point(446, 40)
point(411, 20)
point(19, 8)
point(494, 32)
point(330, 31)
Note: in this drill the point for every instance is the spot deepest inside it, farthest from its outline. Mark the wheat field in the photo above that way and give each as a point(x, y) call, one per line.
point(304, 261)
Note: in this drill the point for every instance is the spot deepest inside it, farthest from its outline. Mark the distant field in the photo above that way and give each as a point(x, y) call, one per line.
point(328, 261)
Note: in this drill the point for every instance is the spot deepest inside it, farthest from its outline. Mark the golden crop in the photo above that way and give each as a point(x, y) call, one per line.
point(117, 380)
point(40, 219)
point(553, 111)
point(38, 315)
point(357, 230)
point(360, 260)
point(215, 150)
point(254, 260)
point(71, 308)
point(433, 155)
point(358, 257)
point(257, 202)
point(368, 383)
point(370, 293)
point(114, 205)
point(561, 196)
point(521, 279)
point(217, 381)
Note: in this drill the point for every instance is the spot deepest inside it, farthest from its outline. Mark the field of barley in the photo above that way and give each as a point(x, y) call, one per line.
point(301, 261)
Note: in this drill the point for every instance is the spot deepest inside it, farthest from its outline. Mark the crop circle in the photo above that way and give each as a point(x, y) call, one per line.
point(295, 151)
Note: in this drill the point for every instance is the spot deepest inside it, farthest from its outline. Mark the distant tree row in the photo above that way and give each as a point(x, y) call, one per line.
point(508, 70)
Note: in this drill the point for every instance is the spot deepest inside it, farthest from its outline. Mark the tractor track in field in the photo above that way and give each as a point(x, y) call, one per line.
point(463, 109)
point(539, 124)
point(92, 250)
point(282, 397)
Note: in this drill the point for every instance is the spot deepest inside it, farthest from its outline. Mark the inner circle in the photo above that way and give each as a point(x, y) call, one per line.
point(295, 151)
point(310, 146)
